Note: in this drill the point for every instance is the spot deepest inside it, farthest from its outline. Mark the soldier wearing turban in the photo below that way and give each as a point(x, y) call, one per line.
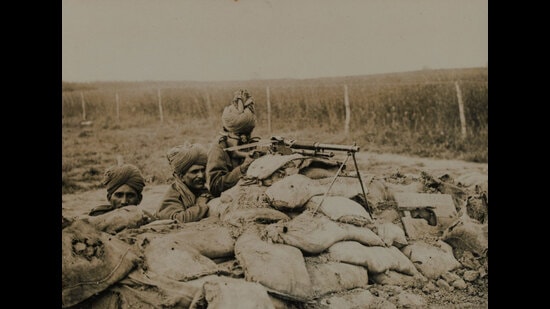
point(225, 168)
point(124, 185)
point(187, 197)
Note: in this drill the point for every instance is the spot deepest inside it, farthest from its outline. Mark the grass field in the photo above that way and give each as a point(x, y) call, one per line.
point(414, 113)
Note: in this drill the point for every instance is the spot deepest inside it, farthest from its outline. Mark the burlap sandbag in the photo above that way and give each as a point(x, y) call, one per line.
point(211, 238)
point(149, 290)
point(265, 166)
point(143, 291)
point(91, 261)
point(333, 277)
point(229, 293)
point(391, 234)
point(280, 268)
point(375, 259)
point(468, 234)
point(292, 192)
point(173, 258)
point(244, 217)
point(119, 219)
point(241, 196)
point(341, 209)
point(432, 260)
point(313, 234)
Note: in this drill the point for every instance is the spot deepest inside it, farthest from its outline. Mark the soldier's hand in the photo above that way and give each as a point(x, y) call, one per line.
point(248, 102)
point(257, 153)
point(246, 163)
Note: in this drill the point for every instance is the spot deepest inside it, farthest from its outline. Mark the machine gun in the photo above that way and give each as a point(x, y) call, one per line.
point(279, 145)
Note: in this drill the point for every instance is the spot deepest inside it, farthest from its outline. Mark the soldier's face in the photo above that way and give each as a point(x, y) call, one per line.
point(124, 196)
point(194, 178)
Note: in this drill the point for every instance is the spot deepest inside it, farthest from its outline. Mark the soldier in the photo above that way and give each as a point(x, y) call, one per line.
point(124, 185)
point(223, 168)
point(187, 197)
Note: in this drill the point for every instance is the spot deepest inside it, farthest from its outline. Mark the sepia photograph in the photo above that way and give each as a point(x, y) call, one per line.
point(274, 154)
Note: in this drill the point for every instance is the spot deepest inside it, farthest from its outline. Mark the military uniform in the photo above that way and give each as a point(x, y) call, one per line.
point(222, 171)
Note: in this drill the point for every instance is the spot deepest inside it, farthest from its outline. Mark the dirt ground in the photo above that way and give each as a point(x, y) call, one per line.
point(382, 166)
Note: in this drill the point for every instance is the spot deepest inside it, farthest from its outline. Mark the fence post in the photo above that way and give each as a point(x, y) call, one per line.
point(160, 106)
point(268, 112)
point(208, 103)
point(348, 112)
point(461, 110)
point(83, 106)
point(119, 160)
point(117, 108)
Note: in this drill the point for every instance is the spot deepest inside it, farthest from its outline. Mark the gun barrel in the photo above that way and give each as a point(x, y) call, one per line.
point(321, 147)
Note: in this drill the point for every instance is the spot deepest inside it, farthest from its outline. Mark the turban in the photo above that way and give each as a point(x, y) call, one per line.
point(239, 116)
point(182, 157)
point(125, 174)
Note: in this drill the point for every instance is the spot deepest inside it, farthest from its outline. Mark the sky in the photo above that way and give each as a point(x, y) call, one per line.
point(223, 40)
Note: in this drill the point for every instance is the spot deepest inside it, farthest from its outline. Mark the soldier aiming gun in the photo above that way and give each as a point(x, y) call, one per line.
point(225, 168)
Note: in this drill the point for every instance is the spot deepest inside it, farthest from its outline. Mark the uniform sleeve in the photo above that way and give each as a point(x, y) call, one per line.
point(220, 173)
point(171, 207)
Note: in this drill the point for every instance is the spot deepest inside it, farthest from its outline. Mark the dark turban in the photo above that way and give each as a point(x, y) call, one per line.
point(182, 157)
point(239, 116)
point(126, 174)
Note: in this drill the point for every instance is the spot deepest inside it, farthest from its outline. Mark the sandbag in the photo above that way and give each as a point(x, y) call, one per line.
point(91, 261)
point(391, 234)
point(167, 256)
point(119, 219)
point(225, 292)
point(292, 192)
point(242, 196)
point(315, 233)
point(215, 207)
point(473, 179)
point(319, 172)
point(432, 260)
point(211, 238)
point(148, 231)
point(266, 165)
point(340, 209)
point(468, 234)
point(280, 268)
point(244, 217)
point(135, 296)
point(375, 259)
point(149, 290)
point(333, 277)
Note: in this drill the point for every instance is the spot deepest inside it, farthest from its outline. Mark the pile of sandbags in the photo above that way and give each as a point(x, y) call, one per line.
point(279, 239)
